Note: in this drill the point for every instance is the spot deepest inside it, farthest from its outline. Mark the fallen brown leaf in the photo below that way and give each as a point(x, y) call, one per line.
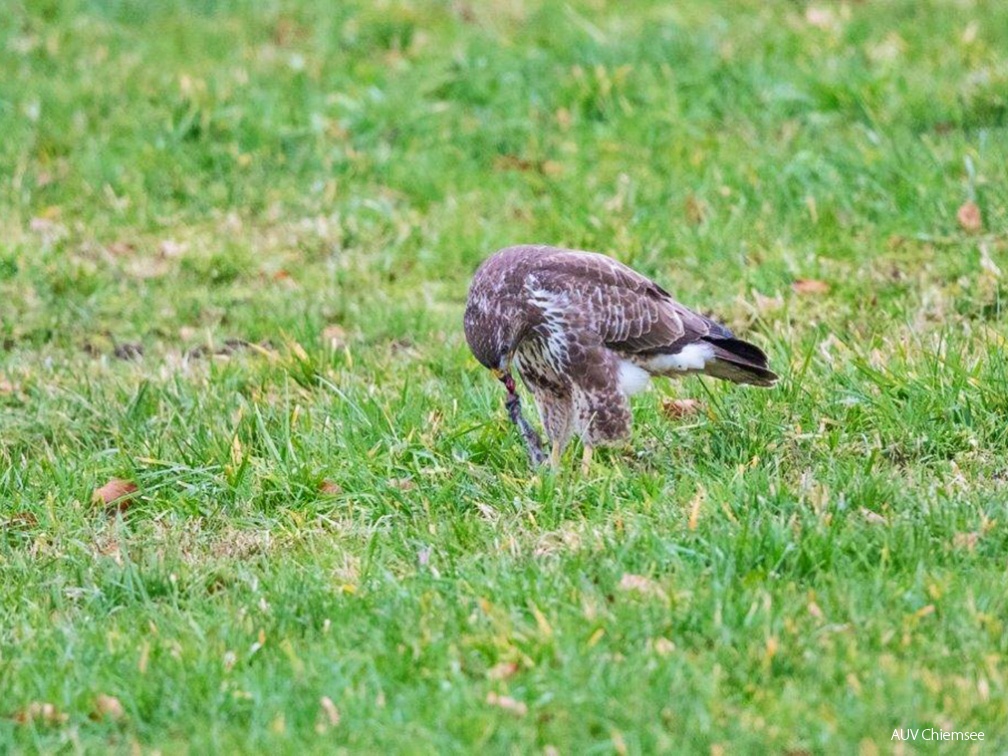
point(696, 210)
point(661, 646)
point(772, 647)
point(120, 248)
point(764, 304)
point(108, 546)
point(873, 517)
point(502, 671)
point(329, 488)
point(19, 521)
point(40, 711)
point(819, 17)
point(676, 409)
point(512, 163)
point(694, 515)
point(618, 743)
point(640, 584)
point(116, 492)
point(551, 168)
point(47, 228)
point(518, 163)
point(334, 336)
point(403, 484)
point(172, 248)
point(146, 266)
point(969, 217)
point(507, 703)
point(107, 707)
point(810, 286)
point(965, 540)
point(286, 30)
point(329, 709)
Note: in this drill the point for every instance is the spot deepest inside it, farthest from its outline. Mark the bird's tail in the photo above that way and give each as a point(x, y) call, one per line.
point(739, 362)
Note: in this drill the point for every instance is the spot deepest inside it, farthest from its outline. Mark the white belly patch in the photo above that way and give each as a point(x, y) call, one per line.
point(632, 378)
point(692, 357)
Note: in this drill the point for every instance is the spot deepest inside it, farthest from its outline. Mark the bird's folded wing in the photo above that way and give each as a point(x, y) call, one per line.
point(629, 312)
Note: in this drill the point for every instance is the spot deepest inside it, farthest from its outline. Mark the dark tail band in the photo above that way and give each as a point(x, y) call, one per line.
point(739, 362)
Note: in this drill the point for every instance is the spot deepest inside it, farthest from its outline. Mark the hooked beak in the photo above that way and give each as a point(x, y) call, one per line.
point(504, 377)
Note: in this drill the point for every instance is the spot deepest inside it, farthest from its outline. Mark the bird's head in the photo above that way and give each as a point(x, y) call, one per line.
point(493, 336)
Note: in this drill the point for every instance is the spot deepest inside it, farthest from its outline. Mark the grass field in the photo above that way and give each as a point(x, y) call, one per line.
point(235, 241)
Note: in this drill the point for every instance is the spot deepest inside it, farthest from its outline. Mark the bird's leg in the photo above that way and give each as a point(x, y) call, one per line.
point(555, 455)
point(586, 458)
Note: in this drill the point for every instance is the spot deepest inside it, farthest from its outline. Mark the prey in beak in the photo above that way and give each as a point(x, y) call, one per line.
point(533, 444)
point(505, 377)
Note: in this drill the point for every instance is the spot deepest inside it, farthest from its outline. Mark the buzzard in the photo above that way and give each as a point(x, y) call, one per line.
point(584, 332)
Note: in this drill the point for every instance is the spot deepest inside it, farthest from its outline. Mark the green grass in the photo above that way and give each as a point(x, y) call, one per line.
point(804, 569)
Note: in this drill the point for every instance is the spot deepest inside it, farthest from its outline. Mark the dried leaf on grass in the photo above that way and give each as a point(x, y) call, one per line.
point(330, 711)
point(694, 515)
point(172, 248)
point(810, 286)
point(966, 541)
point(231, 346)
point(334, 336)
point(19, 521)
point(329, 488)
point(502, 671)
point(640, 584)
point(40, 712)
point(116, 494)
point(518, 163)
point(661, 646)
point(107, 707)
point(696, 210)
point(550, 168)
point(120, 248)
point(764, 305)
point(507, 703)
point(819, 17)
point(969, 217)
point(676, 409)
point(618, 743)
point(873, 517)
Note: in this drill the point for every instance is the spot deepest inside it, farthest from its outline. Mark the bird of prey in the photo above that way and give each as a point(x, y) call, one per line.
point(584, 332)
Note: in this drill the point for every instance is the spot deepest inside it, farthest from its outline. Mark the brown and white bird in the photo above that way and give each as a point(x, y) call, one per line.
point(585, 332)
